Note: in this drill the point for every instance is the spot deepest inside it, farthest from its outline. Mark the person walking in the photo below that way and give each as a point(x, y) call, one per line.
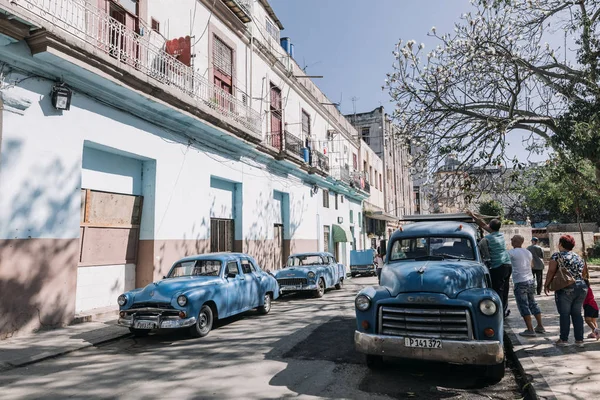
point(590, 313)
point(538, 262)
point(500, 265)
point(569, 300)
point(524, 287)
point(379, 266)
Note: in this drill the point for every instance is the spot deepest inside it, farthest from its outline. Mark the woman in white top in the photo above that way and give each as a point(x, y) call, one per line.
point(524, 286)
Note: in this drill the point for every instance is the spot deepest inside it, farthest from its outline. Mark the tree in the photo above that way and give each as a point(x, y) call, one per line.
point(496, 75)
point(492, 208)
point(554, 192)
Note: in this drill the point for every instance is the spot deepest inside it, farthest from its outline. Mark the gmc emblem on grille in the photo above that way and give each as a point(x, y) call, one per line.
point(421, 299)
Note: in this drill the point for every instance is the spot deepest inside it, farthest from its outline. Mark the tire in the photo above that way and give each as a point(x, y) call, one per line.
point(374, 362)
point(494, 373)
point(320, 288)
point(266, 307)
point(340, 284)
point(139, 332)
point(203, 323)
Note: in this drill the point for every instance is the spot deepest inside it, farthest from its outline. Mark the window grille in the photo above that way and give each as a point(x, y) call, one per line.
point(222, 57)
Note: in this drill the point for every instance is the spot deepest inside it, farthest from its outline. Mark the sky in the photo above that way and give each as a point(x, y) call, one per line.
point(350, 43)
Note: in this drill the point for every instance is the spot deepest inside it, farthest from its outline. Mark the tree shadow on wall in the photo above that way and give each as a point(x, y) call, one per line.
point(38, 276)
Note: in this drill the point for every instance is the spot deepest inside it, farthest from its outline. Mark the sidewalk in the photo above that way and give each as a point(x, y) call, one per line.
point(556, 373)
point(24, 350)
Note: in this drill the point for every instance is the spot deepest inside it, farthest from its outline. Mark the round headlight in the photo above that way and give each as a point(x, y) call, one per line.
point(182, 300)
point(362, 302)
point(311, 274)
point(122, 300)
point(488, 307)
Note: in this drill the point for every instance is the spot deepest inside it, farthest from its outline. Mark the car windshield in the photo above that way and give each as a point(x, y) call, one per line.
point(300, 261)
point(432, 248)
point(196, 268)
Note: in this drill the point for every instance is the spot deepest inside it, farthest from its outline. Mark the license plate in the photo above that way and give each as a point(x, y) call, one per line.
point(291, 287)
point(423, 343)
point(144, 325)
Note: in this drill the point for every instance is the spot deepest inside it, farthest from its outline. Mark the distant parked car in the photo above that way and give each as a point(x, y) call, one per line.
point(196, 291)
point(435, 300)
point(361, 262)
point(311, 272)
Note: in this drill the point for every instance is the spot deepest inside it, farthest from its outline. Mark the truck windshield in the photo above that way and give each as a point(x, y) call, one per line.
point(432, 247)
point(299, 261)
point(196, 268)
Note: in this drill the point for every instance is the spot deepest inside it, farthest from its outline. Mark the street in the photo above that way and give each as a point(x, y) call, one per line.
point(303, 348)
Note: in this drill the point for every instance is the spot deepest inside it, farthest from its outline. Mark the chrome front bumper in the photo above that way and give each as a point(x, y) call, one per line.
point(160, 321)
point(473, 352)
point(296, 288)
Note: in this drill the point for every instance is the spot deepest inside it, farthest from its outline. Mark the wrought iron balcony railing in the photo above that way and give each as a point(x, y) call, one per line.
point(360, 180)
point(95, 27)
point(341, 173)
point(320, 161)
point(293, 145)
point(274, 140)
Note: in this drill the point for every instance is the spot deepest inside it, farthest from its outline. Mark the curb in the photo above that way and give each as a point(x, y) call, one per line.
point(7, 366)
point(524, 380)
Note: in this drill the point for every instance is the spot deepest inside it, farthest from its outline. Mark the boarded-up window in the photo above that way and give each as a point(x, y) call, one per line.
point(110, 226)
point(221, 235)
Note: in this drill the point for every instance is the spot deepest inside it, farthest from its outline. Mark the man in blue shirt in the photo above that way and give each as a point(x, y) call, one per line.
point(500, 265)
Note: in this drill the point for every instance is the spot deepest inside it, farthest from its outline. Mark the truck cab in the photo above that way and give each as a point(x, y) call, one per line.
point(434, 301)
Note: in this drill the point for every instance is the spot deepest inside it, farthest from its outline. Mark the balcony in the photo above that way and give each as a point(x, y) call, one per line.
point(80, 19)
point(293, 145)
point(360, 181)
point(342, 174)
point(241, 8)
point(320, 161)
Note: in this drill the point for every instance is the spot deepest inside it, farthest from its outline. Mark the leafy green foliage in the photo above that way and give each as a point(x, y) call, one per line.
point(556, 190)
point(491, 207)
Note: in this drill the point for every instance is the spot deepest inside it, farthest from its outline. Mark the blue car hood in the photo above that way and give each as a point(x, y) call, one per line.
point(163, 291)
point(449, 277)
point(296, 272)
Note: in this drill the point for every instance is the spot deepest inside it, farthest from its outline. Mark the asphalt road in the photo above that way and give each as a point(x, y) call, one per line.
point(302, 349)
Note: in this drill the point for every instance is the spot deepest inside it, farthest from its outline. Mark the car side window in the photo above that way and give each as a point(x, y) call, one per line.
point(232, 268)
point(331, 260)
point(246, 268)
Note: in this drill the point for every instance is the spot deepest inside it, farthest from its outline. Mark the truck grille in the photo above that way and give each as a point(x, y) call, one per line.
point(164, 306)
point(438, 323)
point(291, 281)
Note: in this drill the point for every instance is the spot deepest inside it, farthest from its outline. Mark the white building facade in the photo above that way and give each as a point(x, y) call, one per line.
point(189, 129)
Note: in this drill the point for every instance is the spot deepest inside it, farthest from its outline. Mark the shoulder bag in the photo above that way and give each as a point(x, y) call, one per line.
point(562, 278)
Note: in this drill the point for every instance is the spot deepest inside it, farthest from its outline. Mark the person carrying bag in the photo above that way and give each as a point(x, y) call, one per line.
point(565, 279)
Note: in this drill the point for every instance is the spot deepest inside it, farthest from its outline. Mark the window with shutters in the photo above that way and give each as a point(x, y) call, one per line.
point(276, 117)
point(155, 25)
point(355, 161)
point(336, 201)
point(305, 124)
point(222, 64)
point(326, 238)
point(325, 198)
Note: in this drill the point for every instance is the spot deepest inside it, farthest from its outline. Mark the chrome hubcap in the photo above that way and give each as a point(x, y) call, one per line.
point(267, 302)
point(202, 320)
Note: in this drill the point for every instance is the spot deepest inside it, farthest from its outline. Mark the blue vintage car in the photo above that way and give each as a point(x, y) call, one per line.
point(435, 301)
point(311, 272)
point(198, 290)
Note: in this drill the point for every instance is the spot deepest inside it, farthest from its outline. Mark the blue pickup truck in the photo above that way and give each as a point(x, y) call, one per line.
point(435, 301)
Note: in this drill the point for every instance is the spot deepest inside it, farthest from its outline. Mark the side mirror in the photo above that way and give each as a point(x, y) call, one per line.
point(268, 271)
point(231, 275)
point(164, 277)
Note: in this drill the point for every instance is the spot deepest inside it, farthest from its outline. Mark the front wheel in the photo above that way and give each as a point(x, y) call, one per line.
point(340, 284)
point(494, 373)
point(320, 288)
point(374, 362)
point(204, 322)
point(266, 307)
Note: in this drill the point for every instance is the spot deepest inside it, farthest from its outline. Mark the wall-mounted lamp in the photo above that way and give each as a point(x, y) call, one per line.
point(61, 96)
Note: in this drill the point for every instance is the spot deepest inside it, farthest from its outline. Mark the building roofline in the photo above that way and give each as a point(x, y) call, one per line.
point(267, 6)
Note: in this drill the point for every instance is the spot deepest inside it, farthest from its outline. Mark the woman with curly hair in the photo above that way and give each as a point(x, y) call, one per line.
point(569, 301)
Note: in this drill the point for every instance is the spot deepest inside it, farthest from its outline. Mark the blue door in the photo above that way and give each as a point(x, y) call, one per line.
point(250, 285)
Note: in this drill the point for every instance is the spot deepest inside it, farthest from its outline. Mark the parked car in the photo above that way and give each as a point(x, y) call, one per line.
point(434, 302)
point(197, 291)
point(311, 272)
point(361, 262)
